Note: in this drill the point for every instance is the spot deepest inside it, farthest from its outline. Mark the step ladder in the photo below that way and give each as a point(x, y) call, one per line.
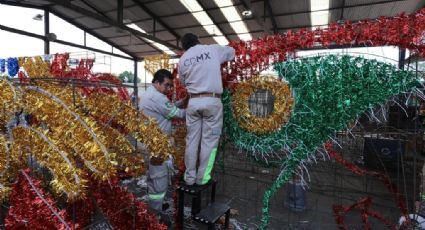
point(210, 214)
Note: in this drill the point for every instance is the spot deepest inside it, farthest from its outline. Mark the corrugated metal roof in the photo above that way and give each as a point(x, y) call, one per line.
point(168, 20)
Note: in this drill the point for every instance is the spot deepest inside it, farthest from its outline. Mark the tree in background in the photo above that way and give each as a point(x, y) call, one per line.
point(127, 77)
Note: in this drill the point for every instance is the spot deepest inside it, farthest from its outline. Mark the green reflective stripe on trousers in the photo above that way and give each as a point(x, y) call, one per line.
point(156, 196)
point(207, 173)
point(172, 113)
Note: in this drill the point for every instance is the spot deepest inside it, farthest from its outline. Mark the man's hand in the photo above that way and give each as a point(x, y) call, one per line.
point(182, 103)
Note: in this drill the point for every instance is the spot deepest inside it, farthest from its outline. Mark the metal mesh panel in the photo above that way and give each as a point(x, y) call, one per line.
point(261, 103)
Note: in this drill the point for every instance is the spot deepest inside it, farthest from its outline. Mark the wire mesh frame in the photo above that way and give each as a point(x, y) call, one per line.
point(261, 103)
point(329, 181)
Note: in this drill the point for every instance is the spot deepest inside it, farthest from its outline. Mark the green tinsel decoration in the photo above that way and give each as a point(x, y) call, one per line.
point(330, 92)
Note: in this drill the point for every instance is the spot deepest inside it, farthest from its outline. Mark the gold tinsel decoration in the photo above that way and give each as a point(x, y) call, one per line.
point(76, 133)
point(9, 102)
point(135, 122)
point(66, 177)
point(4, 166)
point(35, 67)
point(120, 149)
point(179, 136)
point(282, 106)
point(65, 132)
point(155, 62)
point(127, 158)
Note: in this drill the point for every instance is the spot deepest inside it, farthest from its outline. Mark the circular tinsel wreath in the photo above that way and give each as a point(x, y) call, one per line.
point(282, 104)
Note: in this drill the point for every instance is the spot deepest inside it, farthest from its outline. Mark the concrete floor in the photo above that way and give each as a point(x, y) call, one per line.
point(242, 182)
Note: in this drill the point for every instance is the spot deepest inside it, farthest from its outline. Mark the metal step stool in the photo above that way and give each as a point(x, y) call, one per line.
point(212, 213)
point(196, 193)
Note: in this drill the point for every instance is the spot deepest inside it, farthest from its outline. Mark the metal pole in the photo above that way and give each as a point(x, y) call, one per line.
point(401, 57)
point(136, 91)
point(46, 32)
point(120, 8)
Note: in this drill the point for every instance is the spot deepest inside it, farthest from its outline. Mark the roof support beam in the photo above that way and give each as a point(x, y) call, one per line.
point(282, 14)
point(90, 14)
point(186, 13)
point(278, 15)
point(213, 20)
point(120, 18)
point(338, 8)
point(272, 18)
point(156, 18)
point(246, 4)
point(20, 4)
point(94, 8)
point(29, 34)
point(341, 17)
point(96, 35)
point(120, 11)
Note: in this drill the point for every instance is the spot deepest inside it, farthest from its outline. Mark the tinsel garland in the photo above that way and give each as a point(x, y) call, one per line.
point(66, 177)
point(2, 65)
point(365, 212)
point(36, 67)
point(344, 87)
point(78, 131)
point(282, 104)
point(80, 213)
point(179, 137)
point(59, 65)
point(127, 159)
point(9, 99)
point(135, 122)
point(12, 66)
point(179, 92)
point(404, 31)
point(4, 166)
point(60, 69)
point(59, 129)
point(398, 196)
point(32, 207)
point(154, 63)
point(122, 92)
point(122, 208)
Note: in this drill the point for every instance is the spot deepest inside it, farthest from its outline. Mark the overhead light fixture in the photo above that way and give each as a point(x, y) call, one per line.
point(202, 17)
point(156, 44)
point(38, 17)
point(247, 14)
point(234, 19)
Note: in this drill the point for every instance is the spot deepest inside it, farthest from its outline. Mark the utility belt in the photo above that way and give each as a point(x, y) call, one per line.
point(196, 95)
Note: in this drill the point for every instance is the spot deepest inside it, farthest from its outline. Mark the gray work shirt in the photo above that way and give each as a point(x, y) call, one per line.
point(156, 105)
point(200, 67)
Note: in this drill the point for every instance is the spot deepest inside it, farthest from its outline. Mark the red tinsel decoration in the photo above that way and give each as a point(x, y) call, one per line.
point(23, 78)
point(59, 65)
point(114, 81)
point(364, 205)
point(83, 71)
point(122, 209)
point(179, 93)
point(80, 213)
point(404, 31)
point(339, 210)
point(32, 208)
